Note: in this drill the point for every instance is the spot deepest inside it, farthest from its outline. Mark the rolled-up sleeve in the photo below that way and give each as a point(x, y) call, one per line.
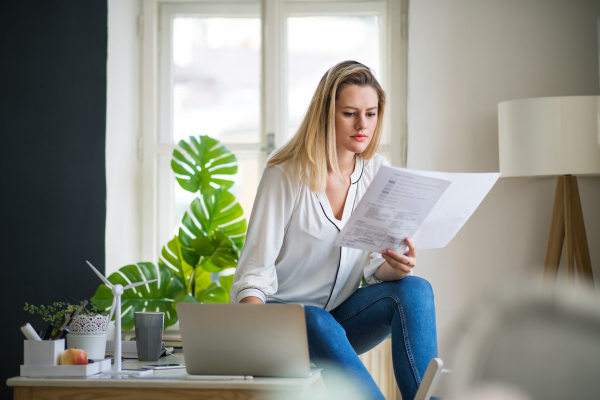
point(373, 263)
point(256, 274)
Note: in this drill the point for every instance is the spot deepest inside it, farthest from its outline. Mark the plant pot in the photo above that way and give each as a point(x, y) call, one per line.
point(94, 345)
point(89, 333)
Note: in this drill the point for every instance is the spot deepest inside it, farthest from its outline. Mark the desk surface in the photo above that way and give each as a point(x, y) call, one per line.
point(165, 379)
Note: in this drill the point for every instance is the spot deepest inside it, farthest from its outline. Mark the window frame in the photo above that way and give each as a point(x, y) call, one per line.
point(273, 108)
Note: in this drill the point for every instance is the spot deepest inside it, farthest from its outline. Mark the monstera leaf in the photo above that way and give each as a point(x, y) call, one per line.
point(226, 283)
point(215, 210)
point(213, 253)
point(203, 165)
point(173, 258)
point(154, 296)
point(215, 293)
point(201, 280)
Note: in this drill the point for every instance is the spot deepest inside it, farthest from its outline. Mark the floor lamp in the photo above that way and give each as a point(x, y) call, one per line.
point(555, 136)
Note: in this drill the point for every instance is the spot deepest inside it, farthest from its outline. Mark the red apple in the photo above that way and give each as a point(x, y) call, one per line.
point(73, 356)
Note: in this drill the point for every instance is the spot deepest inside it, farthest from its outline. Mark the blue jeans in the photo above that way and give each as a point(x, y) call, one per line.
point(403, 308)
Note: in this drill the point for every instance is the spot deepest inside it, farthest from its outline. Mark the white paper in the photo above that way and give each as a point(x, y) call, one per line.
point(447, 213)
point(392, 209)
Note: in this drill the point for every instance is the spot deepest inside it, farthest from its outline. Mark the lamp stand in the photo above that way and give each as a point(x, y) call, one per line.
point(567, 226)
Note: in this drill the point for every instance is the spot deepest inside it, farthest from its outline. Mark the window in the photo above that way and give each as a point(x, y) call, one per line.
point(244, 72)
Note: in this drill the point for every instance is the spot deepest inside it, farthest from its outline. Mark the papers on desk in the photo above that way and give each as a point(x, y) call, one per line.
point(220, 377)
point(429, 207)
point(129, 349)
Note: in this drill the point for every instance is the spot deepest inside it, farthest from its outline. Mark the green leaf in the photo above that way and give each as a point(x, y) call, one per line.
point(215, 210)
point(213, 294)
point(226, 283)
point(218, 252)
point(202, 280)
point(172, 257)
point(186, 298)
point(204, 164)
point(154, 296)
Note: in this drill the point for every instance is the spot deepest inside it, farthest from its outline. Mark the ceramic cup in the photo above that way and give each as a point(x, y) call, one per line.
point(148, 334)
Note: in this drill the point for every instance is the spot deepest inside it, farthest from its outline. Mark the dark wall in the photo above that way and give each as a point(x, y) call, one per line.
point(52, 159)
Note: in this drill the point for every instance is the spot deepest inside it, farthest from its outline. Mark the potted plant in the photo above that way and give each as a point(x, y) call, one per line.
point(209, 240)
point(87, 331)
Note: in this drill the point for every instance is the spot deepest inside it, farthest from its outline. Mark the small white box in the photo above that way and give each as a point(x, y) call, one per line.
point(65, 370)
point(43, 352)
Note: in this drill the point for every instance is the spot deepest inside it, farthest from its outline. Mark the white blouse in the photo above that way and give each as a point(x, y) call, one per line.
point(288, 255)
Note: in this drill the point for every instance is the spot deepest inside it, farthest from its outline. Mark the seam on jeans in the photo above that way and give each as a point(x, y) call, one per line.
point(411, 359)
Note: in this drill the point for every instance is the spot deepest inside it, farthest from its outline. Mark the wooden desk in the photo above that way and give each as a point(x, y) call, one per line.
point(165, 384)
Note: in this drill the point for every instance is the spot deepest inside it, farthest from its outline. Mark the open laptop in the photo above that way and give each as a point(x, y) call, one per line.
point(244, 339)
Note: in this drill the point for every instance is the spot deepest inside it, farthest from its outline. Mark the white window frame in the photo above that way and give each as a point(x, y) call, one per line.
point(338, 9)
point(273, 85)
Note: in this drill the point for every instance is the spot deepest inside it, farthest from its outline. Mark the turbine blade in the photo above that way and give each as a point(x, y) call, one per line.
point(106, 281)
point(138, 284)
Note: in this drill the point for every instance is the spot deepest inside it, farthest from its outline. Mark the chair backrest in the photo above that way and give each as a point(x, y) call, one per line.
point(542, 342)
point(434, 382)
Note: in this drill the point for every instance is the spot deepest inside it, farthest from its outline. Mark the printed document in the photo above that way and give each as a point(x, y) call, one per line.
point(429, 207)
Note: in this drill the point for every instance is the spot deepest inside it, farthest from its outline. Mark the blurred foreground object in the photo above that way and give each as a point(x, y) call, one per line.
point(538, 341)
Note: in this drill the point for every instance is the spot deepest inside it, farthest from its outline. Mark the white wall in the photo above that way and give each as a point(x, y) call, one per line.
point(123, 179)
point(465, 56)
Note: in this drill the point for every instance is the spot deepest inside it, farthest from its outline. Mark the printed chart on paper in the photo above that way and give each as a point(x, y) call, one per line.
point(392, 209)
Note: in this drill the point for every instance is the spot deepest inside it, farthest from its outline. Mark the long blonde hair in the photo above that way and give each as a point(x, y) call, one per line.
point(312, 150)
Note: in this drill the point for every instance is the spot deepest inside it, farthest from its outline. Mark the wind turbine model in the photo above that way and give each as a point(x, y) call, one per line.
point(117, 291)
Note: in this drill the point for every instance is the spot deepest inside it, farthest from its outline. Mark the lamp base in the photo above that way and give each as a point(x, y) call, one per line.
point(567, 226)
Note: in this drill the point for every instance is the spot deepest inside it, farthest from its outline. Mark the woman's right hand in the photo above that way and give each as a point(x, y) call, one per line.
point(251, 300)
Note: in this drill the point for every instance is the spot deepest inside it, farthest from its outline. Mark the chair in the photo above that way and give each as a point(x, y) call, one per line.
point(542, 342)
point(434, 382)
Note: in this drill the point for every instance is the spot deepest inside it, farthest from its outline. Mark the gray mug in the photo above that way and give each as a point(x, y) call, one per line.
point(148, 334)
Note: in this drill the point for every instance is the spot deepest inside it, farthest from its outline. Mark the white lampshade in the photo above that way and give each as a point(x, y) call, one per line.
point(549, 136)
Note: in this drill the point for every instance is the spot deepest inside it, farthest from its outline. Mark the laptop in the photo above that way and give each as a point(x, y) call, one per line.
point(244, 339)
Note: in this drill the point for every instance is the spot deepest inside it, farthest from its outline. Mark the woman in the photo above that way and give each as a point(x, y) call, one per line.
point(307, 193)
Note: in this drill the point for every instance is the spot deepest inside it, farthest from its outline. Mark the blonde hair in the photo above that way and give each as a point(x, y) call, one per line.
point(312, 150)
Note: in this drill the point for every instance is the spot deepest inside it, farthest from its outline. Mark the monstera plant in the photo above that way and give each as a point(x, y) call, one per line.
point(209, 240)
point(154, 296)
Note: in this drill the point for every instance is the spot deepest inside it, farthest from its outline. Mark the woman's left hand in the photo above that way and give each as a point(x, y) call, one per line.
point(402, 264)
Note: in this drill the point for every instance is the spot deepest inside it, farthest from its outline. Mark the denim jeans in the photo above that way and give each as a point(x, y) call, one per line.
point(403, 308)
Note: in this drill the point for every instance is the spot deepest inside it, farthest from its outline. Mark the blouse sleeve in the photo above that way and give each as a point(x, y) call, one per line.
point(273, 206)
point(370, 272)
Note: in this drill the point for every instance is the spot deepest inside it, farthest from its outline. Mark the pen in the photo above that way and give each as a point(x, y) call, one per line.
point(60, 334)
point(48, 334)
point(79, 310)
point(63, 333)
point(29, 332)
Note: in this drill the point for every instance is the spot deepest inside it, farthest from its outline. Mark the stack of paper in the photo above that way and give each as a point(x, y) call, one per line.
point(428, 207)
